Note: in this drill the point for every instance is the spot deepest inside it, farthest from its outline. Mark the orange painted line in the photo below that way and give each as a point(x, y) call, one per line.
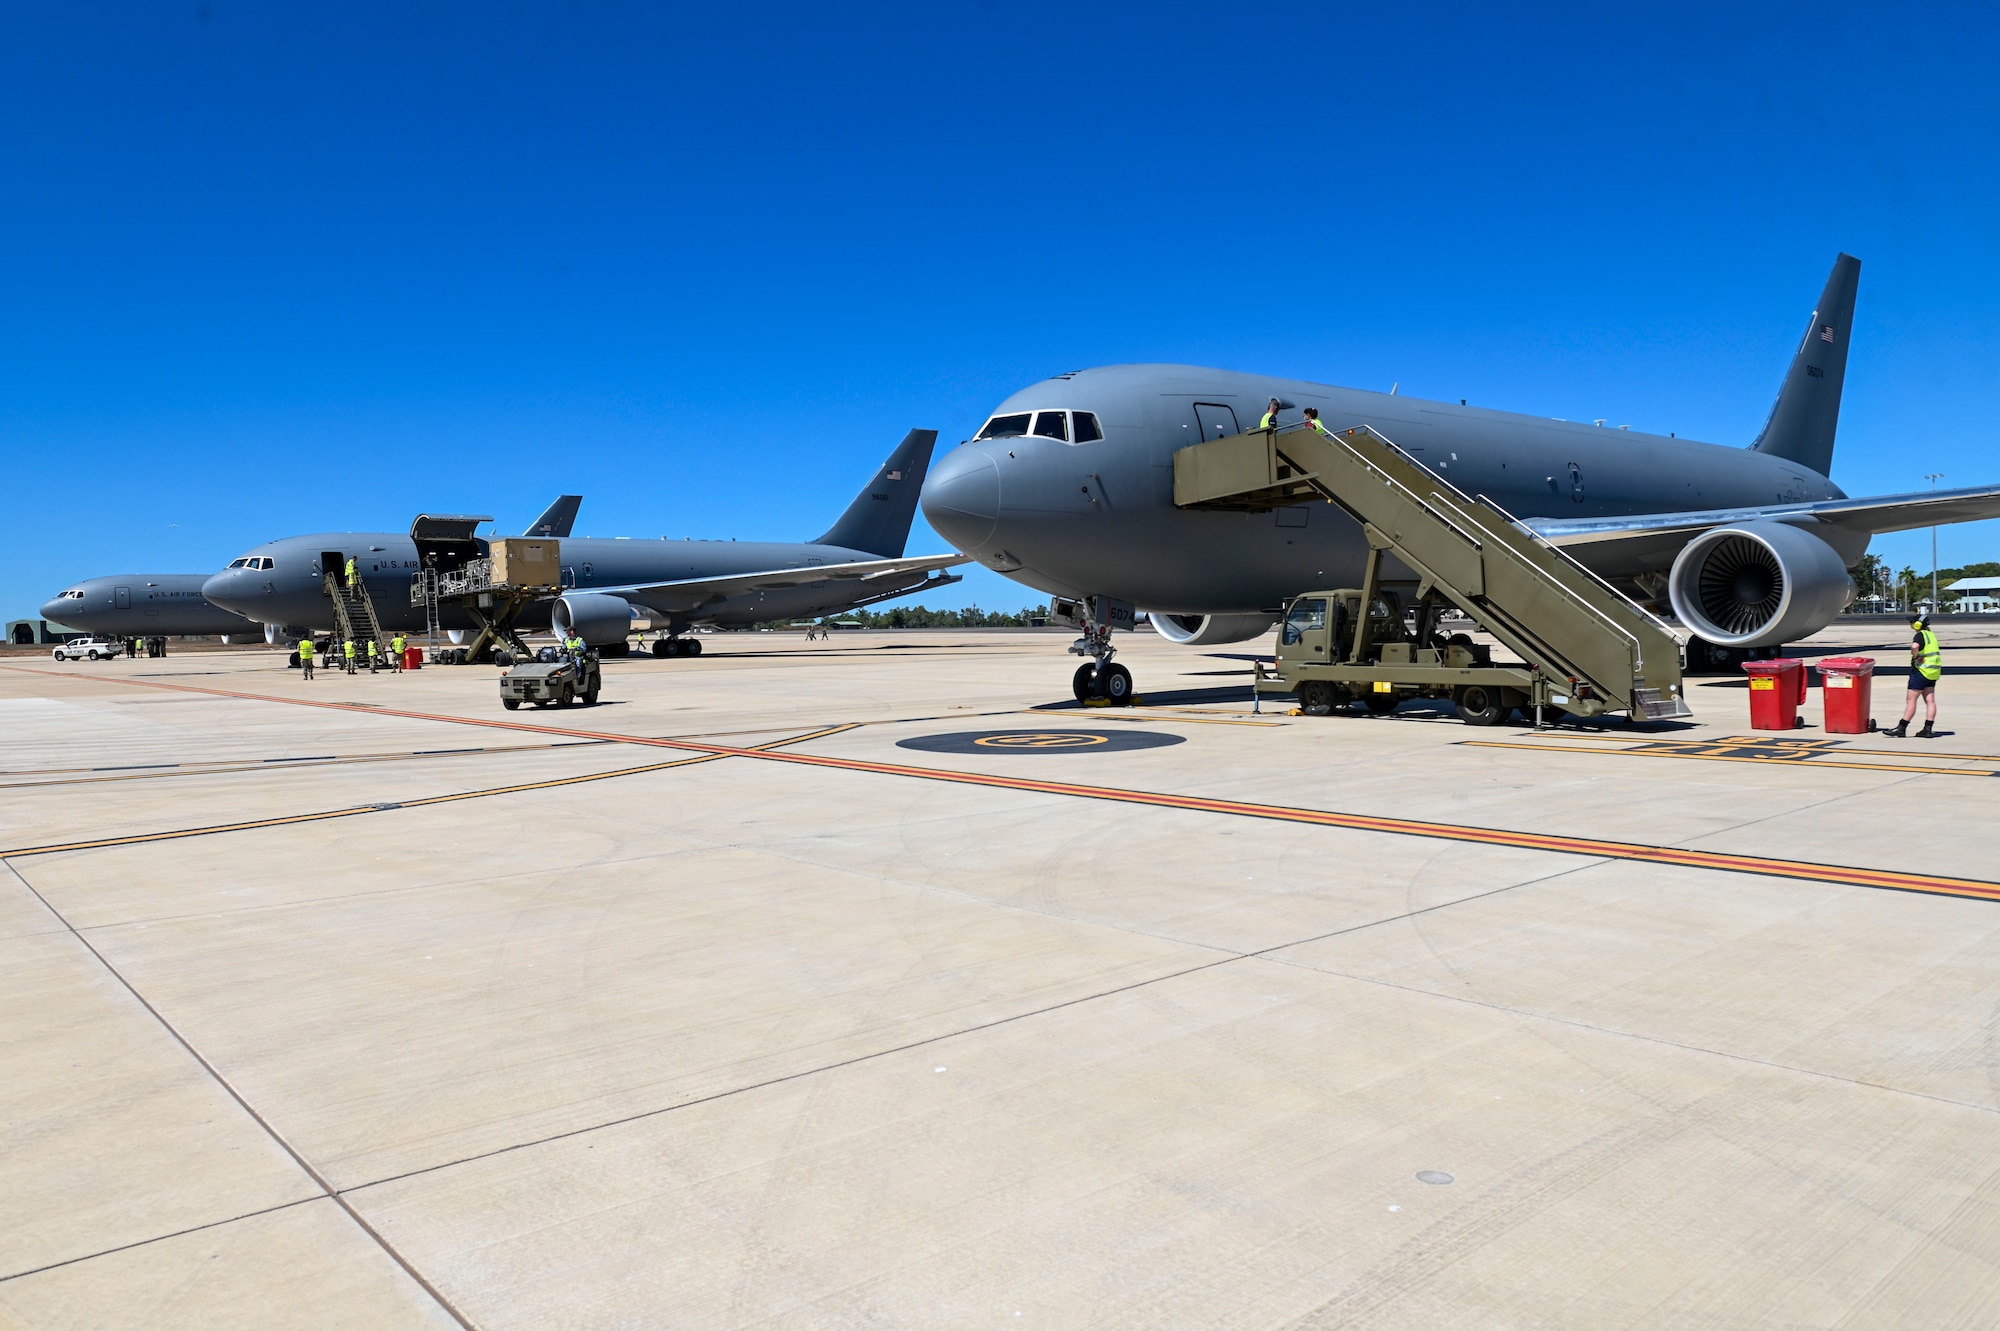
point(1597, 848)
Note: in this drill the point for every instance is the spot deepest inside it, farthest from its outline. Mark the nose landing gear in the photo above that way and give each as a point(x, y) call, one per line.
point(1100, 677)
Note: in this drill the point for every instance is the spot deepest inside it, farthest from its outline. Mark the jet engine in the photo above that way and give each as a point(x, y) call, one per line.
point(1758, 584)
point(598, 619)
point(1209, 630)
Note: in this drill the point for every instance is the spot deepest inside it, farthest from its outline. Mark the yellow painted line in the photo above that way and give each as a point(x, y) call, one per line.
point(1592, 847)
point(1806, 758)
point(178, 834)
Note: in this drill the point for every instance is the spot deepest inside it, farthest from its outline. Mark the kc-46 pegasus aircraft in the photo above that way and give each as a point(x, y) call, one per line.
point(614, 584)
point(171, 605)
point(1069, 488)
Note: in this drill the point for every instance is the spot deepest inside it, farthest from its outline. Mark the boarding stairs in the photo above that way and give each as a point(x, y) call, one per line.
point(353, 618)
point(1596, 649)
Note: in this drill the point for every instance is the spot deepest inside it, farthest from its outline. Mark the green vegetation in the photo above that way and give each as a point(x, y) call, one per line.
point(1874, 577)
point(920, 617)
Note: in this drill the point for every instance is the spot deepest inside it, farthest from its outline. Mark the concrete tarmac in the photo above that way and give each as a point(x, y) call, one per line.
point(715, 1006)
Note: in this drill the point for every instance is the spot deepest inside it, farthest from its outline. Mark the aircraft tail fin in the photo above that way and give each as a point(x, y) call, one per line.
point(878, 521)
point(557, 519)
point(1804, 417)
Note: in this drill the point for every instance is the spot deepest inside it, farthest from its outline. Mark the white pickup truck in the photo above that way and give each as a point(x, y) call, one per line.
point(94, 649)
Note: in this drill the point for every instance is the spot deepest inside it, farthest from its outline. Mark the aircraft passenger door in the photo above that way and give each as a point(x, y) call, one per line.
point(1217, 420)
point(334, 562)
point(122, 597)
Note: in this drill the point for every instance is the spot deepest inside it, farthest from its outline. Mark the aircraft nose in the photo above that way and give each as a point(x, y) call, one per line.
point(53, 610)
point(225, 587)
point(962, 497)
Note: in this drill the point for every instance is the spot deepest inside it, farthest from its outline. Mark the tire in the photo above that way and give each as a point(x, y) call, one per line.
point(57, 654)
point(511, 704)
point(1479, 705)
point(662, 648)
point(1084, 683)
point(567, 698)
point(503, 658)
point(1380, 703)
point(1316, 698)
point(1116, 682)
point(590, 695)
point(692, 647)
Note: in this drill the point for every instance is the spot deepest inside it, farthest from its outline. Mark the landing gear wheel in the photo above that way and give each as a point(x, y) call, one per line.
point(511, 704)
point(1380, 703)
point(662, 648)
point(1084, 682)
point(1479, 705)
point(692, 647)
point(1115, 681)
point(1316, 698)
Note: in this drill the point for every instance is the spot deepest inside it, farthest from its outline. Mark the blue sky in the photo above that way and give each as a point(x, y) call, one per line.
point(281, 268)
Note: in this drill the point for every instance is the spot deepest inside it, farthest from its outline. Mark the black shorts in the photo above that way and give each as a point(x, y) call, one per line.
point(1918, 684)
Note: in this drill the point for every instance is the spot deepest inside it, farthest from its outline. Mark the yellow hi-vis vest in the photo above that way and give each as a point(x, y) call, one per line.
point(1930, 658)
point(306, 649)
point(398, 643)
point(1270, 419)
point(350, 649)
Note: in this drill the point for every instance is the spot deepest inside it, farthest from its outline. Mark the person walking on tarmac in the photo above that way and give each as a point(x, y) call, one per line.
point(1270, 421)
point(306, 651)
point(1926, 664)
point(397, 646)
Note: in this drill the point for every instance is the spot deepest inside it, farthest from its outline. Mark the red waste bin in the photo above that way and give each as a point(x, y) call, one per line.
point(1775, 688)
point(1845, 685)
point(413, 658)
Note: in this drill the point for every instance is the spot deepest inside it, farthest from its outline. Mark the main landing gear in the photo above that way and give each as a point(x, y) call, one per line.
point(1100, 678)
point(665, 647)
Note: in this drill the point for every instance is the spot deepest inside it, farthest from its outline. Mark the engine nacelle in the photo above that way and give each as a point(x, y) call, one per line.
point(1209, 630)
point(1758, 584)
point(596, 618)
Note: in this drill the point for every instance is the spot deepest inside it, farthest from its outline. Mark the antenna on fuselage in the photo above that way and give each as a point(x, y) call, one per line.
point(1393, 387)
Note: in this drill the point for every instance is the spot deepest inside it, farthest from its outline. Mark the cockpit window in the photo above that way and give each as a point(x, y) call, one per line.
point(1086, 427)
point(1051, 425)
point(238, 563)
point(265, 563)
point(1001, 427)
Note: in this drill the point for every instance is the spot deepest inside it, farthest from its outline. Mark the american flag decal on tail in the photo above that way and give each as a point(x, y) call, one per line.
point(1826, 332)
point(897, 475)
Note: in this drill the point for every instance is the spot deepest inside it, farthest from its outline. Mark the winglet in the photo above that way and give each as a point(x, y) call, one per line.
point(557, 519)
point(1804, 417)
point(878, 521)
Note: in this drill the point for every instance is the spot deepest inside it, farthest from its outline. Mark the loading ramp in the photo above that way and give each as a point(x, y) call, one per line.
point(1588, 648)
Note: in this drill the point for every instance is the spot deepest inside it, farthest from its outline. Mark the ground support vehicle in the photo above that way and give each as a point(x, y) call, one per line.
point(490, 597)
point(1585, 647)
point(564, 682)
point(88, 649)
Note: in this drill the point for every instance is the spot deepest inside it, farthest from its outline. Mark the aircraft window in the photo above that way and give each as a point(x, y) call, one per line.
point(238, 563)
point(267, 563)
point(1001, 427)
point(1086, 427)
point(1306, 617)
point(1051, 425)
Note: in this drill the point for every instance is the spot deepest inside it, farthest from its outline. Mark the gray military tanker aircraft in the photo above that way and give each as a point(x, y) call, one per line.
point(1069, 488)
point(615, 585)
point(171, 605)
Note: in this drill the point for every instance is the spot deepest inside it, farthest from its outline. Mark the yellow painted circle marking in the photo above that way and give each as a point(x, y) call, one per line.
point(1029, 739)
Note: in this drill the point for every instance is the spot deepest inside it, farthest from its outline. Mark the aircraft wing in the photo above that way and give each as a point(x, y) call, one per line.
point(872, 577)
point(1650, 541)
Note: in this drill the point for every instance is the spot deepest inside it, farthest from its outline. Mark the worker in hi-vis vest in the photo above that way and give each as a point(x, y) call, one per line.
point(397, 646)
point(1270, 421)
point(306, 650)
point(1926, 664)
point(348, 649)
point(353, 572)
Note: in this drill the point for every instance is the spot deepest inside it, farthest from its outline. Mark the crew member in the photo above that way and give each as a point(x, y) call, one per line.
point(1312, 419)
point(353, 571)
point(131, 649)
point(397, 645)
point(1270, 421)
point(348, 648)
point(1926, 664)
point(306, 651)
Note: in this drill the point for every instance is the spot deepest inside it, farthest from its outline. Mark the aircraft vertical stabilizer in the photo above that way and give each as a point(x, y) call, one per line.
point(1807, 411)
point(878, 521)
point(557, 519)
